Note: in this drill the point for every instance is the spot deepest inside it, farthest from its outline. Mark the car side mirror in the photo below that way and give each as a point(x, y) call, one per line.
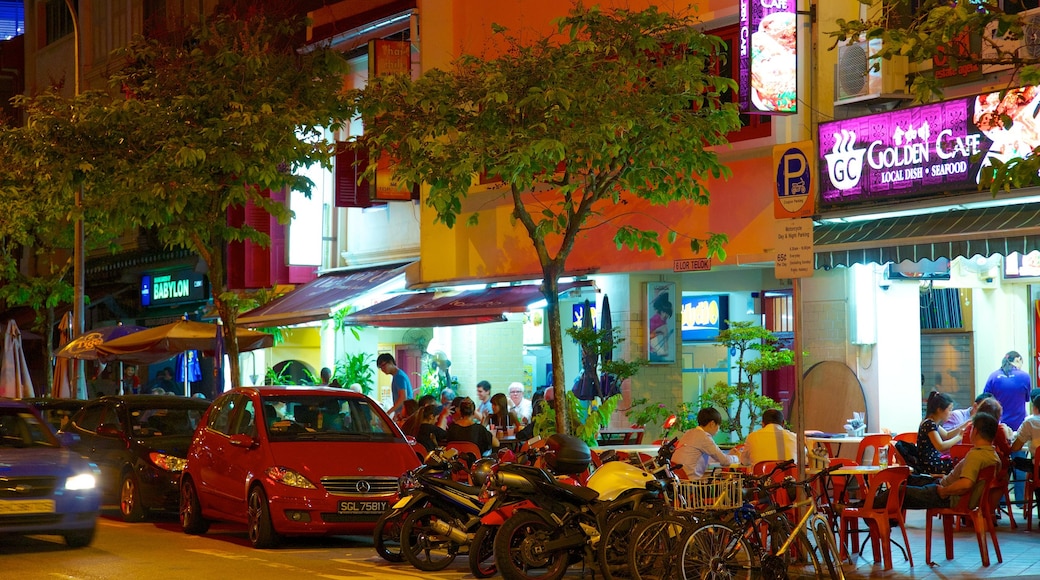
point(241, 440)
point(68, 439)
point(109, 430)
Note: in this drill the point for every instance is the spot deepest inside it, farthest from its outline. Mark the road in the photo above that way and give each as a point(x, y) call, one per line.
point(158, 550)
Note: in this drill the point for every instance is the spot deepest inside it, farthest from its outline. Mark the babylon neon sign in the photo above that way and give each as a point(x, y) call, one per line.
point(941, 147)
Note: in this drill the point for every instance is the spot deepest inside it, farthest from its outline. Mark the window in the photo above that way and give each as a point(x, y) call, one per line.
point(90, 419)
point(753, 126)
point(220, 416)
point(59, 19)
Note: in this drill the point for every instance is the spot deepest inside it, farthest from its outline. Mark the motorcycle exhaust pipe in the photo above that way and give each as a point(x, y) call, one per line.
point(443, 528)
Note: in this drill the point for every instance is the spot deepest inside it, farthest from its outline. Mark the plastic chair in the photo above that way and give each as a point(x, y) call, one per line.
point(880, 520)
point(978, 515)
point(867, 453)
point(908, 437)
point(959, 451)
point(465, 448)
point(1032, 492)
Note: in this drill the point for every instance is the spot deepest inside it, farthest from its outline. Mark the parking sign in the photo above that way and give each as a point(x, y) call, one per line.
point(795, 186)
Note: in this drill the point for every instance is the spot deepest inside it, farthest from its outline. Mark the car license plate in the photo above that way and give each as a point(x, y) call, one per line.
point(28, 506)
point(361, 507)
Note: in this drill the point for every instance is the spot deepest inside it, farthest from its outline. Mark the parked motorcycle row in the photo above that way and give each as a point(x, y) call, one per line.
point(530, 516)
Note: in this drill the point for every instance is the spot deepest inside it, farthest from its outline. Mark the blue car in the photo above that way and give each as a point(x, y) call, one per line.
point(45, 488)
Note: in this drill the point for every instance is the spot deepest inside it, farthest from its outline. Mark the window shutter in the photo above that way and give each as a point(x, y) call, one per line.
point(257, 263)
point(348, 192)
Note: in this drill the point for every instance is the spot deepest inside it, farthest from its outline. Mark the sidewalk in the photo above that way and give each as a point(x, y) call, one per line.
point(1020, 549)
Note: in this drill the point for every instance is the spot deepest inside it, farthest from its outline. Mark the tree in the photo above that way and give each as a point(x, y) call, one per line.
point(66, 144)
point(217, 116)
point(619, 105)
point(921, 30)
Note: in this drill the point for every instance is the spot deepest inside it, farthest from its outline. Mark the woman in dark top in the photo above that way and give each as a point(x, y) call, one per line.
point(465, 429)
point(500, 416)
point(932, 439)
point(429, 435)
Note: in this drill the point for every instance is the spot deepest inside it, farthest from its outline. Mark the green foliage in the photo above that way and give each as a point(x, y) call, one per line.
point(283, 377)
point(609, 110)
point(645, 412)
point(589, 419)
point(933, 31)
point(356, 368)
point(743, 397)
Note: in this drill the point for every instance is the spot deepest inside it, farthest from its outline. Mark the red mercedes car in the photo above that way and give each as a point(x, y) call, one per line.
point(289, 461)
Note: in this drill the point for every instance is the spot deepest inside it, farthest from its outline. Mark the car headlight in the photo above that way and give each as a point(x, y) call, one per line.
point(80, 482)
point(289, 477)
point(167, 462)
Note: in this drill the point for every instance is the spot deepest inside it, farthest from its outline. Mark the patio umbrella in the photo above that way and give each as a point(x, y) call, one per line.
point(14, 372)
point(587, 386)
point(61, 386)
point(162, 342)
point(218, 361)
point(85, 347)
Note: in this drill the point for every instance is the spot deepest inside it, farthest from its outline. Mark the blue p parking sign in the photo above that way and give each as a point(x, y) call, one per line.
point(794, 184)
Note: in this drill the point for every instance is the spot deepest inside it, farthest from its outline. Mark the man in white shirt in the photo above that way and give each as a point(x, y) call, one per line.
point(770, 443)
point(1028, 436)
point(697, 447)
point(518, 404)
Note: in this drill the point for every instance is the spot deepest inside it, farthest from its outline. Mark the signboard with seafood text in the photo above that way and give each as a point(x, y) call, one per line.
point(940, 147)
point(768, 57)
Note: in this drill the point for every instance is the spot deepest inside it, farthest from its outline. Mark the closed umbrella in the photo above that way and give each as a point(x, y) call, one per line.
point(15, 381)
point(188, 370)
point(61, 386)
point(587, 386)
point(608, 383)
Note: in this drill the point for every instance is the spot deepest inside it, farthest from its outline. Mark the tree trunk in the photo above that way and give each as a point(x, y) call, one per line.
point(551, 291)
point(213, 255)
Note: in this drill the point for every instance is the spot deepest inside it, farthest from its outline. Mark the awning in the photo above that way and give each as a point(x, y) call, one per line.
point(451, 308)
point(316, 299)
point(958, 232)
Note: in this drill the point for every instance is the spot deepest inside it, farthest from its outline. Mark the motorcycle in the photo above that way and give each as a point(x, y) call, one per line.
point(561, 523)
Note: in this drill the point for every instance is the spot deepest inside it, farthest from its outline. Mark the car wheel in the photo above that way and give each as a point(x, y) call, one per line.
point(130, 499)
point(192, 521)
point(261, 531)
point(79, 538)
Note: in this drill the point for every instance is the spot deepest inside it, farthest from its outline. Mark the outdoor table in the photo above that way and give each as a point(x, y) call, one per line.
point(621, 436)
point(812, 440)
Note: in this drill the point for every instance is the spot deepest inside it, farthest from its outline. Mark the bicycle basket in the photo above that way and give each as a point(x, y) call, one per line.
point(716, 490)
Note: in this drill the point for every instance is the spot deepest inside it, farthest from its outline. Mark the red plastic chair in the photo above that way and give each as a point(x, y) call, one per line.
point(867, 452)
point(1032, 492)
point(908, 437)
point(980, 515)
point(464, 448)
point(880, 520)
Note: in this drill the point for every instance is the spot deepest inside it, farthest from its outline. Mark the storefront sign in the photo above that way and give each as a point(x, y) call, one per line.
point(928, 149)
point(794, 248)
point(795, 193)
point(578, 314)
point(388, 57)
point(703, 317)
point(692, 265)
point(168, 288)
point(768, 57)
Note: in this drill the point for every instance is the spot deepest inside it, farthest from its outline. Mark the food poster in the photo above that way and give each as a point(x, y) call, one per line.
point(941, 147)
point(768, 57)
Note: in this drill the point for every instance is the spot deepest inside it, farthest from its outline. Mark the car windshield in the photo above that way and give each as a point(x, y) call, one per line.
point(294, 417)
point(162, 422)
point(20, 428)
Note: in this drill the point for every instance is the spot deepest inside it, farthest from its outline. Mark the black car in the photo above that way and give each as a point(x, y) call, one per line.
point(56, 412)
point(139, 442)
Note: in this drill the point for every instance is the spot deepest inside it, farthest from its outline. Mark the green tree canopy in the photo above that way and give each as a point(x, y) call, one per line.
point(618, 105)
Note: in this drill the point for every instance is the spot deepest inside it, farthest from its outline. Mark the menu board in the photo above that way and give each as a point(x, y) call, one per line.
point(940, 147)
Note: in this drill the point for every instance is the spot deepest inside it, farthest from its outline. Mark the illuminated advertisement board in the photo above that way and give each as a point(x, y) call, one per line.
point(768, 57)
point(702, 317)
point(941, 147)
point(170, 288)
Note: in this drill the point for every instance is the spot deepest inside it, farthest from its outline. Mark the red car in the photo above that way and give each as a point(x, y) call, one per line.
point(293, 461)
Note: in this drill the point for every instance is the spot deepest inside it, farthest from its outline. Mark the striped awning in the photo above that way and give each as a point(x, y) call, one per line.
point(957, 232)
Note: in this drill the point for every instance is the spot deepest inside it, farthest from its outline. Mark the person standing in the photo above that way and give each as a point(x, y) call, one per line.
point(326, 375)
point(400, 386)
point(1010, 386)
point(697, 446)
point(484, 398)
point(518, 405)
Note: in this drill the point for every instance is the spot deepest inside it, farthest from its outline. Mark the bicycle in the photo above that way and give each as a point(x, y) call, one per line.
point(719, 549)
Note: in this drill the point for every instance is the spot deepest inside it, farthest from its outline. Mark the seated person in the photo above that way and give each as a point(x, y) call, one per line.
point(960, 416)
point(1002, 440)
point(429, 435)
point(696, 447)
point(948, 491)
point(932, 439)
point(770, 443)
point(500, 416)
point(1028, 435)
point(465, 429)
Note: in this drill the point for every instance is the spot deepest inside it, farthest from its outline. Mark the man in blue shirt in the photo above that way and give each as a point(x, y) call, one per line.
point(400, 386)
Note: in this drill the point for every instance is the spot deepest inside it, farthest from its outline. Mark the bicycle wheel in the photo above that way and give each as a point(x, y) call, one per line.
point(654, 545)
point(612, 549)
point(716, 551)
point(828, 549)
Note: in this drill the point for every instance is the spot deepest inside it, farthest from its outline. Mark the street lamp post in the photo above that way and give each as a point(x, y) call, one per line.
point(78, 258)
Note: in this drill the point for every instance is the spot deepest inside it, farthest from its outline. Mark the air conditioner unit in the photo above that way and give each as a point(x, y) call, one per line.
point(855, 79)
point(1027, 47)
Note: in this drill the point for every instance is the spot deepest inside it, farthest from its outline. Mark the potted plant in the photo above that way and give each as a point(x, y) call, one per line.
point(355, 369)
